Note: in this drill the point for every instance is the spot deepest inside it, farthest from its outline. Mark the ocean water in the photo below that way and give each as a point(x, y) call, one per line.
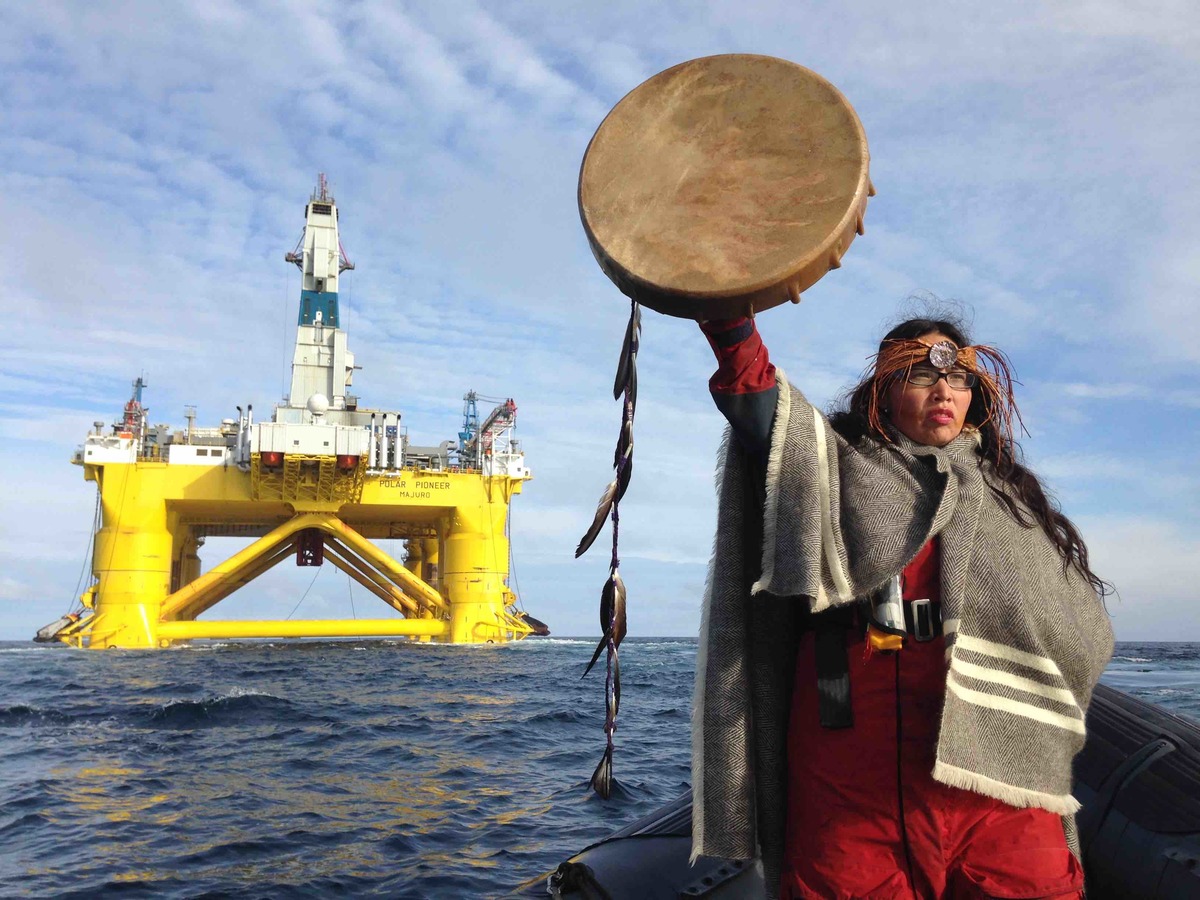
point(1164, 673)
point(349, 768)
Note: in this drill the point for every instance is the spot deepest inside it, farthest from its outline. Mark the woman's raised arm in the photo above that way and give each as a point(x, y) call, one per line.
point(744, 386)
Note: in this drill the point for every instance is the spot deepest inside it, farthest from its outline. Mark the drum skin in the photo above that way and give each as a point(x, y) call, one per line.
point(724, 186)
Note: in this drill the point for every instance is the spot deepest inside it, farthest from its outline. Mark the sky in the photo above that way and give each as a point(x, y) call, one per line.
point(1034, 165)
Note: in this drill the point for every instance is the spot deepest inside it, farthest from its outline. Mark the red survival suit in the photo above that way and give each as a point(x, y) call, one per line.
point(865, 817)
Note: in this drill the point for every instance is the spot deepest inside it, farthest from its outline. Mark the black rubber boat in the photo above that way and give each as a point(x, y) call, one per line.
point(1138, 779)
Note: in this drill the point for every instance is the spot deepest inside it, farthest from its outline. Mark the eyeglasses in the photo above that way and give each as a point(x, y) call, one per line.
point(959, 379)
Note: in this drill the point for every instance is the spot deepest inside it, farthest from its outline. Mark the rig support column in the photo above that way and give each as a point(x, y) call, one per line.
point(431, 556)
point(131, 557)
point(185, 567)
point(414, 557)
point(476, 566)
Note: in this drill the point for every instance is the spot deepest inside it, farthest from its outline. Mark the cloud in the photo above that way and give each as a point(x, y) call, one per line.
point(1103, 391)
point(1156, 584)
point(1166, 320)
point(1171, 24)
point(12, 590)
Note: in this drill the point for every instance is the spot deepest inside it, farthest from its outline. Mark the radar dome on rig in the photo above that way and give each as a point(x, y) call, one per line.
point(318, 405)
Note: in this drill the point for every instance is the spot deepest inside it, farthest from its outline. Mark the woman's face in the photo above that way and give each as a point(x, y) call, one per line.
point(932, 415)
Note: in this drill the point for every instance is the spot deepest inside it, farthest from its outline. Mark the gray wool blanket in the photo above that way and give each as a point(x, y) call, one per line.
point(1026, 641)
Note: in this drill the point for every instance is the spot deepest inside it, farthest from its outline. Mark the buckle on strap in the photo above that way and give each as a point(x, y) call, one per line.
point(926, 621)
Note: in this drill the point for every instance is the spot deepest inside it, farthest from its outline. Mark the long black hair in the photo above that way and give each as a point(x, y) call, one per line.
point(1019, 489)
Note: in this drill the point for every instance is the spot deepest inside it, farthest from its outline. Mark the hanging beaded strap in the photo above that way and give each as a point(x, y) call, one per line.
point(612, 597)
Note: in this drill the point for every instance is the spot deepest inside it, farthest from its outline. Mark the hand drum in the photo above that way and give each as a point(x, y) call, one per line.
point(724, 186)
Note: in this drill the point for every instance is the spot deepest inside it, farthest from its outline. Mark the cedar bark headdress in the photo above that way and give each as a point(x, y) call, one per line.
point(989, 365)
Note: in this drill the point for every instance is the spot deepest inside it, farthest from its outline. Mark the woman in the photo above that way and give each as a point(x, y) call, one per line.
point(901, 634)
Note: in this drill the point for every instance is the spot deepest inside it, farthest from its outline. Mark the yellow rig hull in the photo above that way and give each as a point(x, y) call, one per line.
point(149, 590)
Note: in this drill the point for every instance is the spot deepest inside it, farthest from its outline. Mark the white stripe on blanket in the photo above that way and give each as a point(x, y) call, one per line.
point(1016, 707)
point(1012, 654)
point(836, 572)
point(1028, 685)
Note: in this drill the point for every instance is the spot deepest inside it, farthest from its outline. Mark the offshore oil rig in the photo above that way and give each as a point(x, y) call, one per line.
point(322, 481)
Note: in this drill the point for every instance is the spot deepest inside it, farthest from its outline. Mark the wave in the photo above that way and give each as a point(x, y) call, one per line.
point(674, 712)
point(38, 649)
point(240, 706)
point(557, 717)
point(203, 647)
point(22, 714)
point(236, 851)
